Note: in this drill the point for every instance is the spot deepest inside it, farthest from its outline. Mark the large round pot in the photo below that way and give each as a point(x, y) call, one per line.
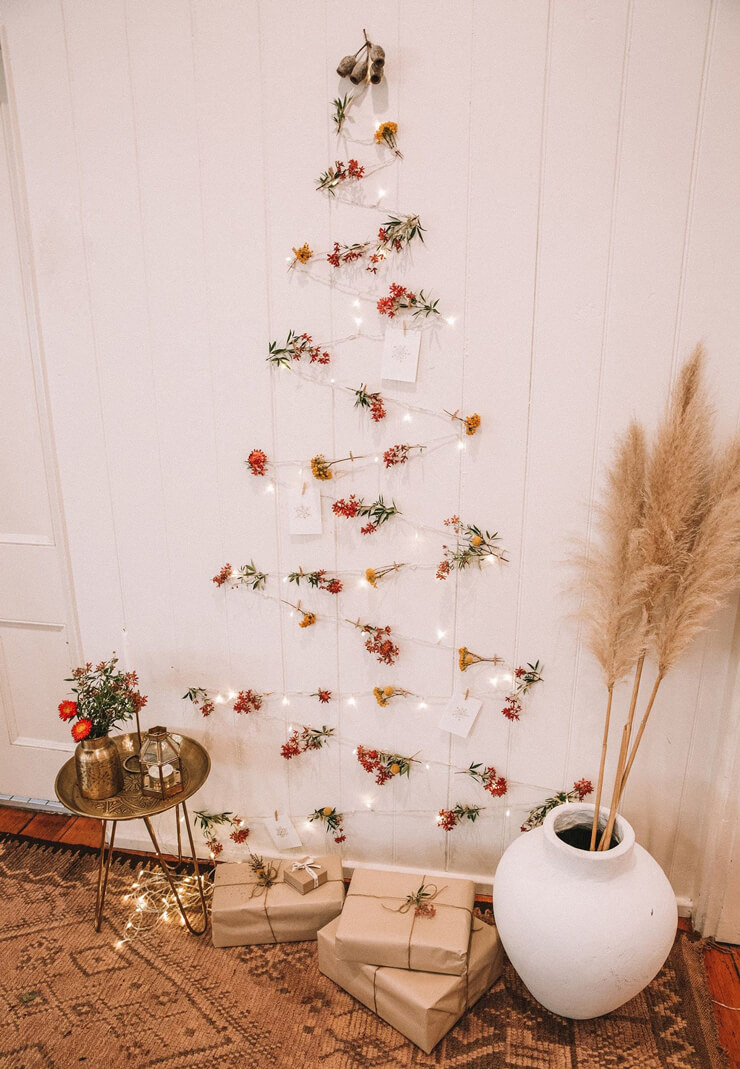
point(586, 931)
point(99, 770)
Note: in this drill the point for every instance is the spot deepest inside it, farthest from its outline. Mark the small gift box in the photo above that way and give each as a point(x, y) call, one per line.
point(246, 911)
point(422, 1006)
point(305, 875)
point(404, 921)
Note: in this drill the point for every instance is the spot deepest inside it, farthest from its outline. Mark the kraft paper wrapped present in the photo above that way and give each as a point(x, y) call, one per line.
point(423, 1006)
point(379, 927)
point(305, 875)
point(243, 912)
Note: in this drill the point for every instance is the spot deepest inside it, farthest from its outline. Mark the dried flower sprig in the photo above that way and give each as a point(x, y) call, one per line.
point(209, 822)
point(341, 107)
point(470, 423)
point(340, 172)
point(248, 701)
point(377, 512)
point(371, 401)
point(324, 696)
point(248, 575)
point(266, 872)
point(421, 900)
point(581, 788)
point(373, 575)
point(472, 545)
point(301, 255)
point(296, 347)
point(396, 234)
point(320, 580)
point(400, 299)
point(321, 467)
point(333, 821)
point(200, 699)
point(450, 818)
point(367, 62)
point(380, 642)
point(400, 453)
point(488, 778)
point(307, 739)
point(257, 462)
point(308, 619)
point(383, 695)
point(383, 765)
point(466, 658)
point(386, 134)
point(524, 680)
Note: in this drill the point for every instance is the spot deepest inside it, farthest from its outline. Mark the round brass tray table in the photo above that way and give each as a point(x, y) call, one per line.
point(131, 804)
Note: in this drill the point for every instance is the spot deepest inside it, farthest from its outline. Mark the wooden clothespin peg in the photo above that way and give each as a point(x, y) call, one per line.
point(276, 814)
point(467, 694)
point(303, 489)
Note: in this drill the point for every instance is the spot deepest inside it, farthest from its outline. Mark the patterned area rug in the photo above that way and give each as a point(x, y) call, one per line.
point(69, 997)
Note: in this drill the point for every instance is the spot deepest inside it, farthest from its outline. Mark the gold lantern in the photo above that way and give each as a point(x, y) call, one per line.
point(159, 764)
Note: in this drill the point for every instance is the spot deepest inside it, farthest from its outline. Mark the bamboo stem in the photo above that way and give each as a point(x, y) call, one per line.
point(640, 731)
point(600, 784)
point(616, 794)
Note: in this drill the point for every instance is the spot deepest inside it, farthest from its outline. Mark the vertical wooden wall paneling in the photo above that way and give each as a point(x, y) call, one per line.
point(574, 231)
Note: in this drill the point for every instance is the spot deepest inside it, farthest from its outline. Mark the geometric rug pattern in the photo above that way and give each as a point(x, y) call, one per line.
point(69, 997)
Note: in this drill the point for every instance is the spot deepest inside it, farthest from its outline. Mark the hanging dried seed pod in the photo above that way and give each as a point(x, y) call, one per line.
point(359, 72)
point(346, 66)
point(376, 73)
point(377, 56)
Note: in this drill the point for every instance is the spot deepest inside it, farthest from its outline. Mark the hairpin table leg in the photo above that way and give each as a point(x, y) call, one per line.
point(103, 870)
point(171, 882)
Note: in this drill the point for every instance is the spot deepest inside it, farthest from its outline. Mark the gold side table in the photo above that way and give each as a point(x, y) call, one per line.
point(131, 804)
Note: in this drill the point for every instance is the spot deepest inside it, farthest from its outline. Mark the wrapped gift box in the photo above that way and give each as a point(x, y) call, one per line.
point(243, 912)
point(422, 1006)
point(305, 875)
point(378, 928)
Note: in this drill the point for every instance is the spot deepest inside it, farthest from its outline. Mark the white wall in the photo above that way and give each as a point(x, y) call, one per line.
point(575, 166)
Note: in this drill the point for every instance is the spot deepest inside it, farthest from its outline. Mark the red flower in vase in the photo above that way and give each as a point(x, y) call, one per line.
point(81, 729)
point(67, 710)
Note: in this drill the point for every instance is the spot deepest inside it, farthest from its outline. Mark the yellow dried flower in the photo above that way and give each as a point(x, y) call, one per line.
point(304, 254)
point(386, 131)
point(309, 618)
point(389, 691)
point(395, 768)
point(370, 577)
point(380, 696)
point(326, 810)
point(465, 659)
point(476, 540)
point(320, 468)
point(472, 423)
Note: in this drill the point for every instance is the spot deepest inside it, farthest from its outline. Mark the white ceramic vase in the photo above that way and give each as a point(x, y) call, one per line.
point(585, 931)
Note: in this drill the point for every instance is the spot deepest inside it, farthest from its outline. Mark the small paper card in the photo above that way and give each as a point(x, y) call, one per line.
point(282, 833)
point(459, 716)
point(401, 354)
point(304, 509)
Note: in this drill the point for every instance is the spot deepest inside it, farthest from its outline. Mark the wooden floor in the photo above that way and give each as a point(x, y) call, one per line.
point(722, 961)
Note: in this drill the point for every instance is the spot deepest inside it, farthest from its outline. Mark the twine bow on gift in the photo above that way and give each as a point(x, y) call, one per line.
point(421, 900)
point(309, 865)
point(266, 873)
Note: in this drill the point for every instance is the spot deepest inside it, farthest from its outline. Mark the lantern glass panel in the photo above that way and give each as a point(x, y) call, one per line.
point(159, 761)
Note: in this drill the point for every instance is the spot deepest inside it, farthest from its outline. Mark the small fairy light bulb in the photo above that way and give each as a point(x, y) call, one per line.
point(507, 813)
point(129, 925)
point(125, 898)
point(461, 445)
point(219, 699)
point(363, 583)
point(332, 381)
point(351, 701)
point(182, 922)
point(440, 634)
point(285, 579)
point(407, 417)
point(376, 459)
point(307, 824)
point(381, 194)
point(358, 321)
point(119, 944)
point(355, 304)
point(427, 767)
point(286, 700)
point(450, 320)
point(354, 752)
point(493, 680)
point(164, 916)
point(438, 819)
point(288, 260)
point(232, 695)
point(422, 705)
point(270, 488)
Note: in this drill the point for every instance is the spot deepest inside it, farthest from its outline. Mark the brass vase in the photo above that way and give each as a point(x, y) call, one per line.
point(99, 770)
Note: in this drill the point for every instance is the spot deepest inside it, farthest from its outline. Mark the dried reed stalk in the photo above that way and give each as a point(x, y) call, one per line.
point(612, 580)
point(677, 498)
point(711, 573)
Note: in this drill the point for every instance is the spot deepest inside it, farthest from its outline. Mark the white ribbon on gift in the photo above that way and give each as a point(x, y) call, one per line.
point(309, 865)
